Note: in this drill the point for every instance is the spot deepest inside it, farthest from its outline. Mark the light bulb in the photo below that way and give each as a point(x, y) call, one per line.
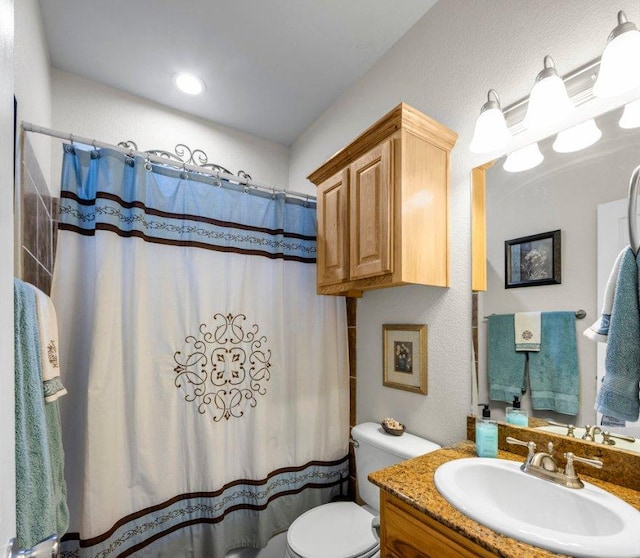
point(491, 132)
point(188, 83)
point(523, 159)
point(549, 102)
point(619, 69)
point(630, 115)
point(577, 137)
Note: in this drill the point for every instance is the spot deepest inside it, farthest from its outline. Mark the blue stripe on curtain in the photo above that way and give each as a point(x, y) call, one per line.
point(100, 193)
point(136, 531)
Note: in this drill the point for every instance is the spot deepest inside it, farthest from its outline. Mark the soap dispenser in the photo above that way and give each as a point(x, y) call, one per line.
point(486, 434)
point(516, 415)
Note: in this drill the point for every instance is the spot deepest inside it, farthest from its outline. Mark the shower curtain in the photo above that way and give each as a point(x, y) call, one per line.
point(208, 385)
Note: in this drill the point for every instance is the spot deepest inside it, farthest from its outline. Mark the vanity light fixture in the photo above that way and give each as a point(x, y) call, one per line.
point(577, 137)
point(188, 83)
point(549, 102)
point(630, 115)
point(523, 159)
point(491, 132)
point(619, 68)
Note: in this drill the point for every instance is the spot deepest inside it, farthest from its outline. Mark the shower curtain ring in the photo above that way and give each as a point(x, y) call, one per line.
point(95, 154)
point(147, 163)
point(273, 193)
point(217, 180)
point(184, 174)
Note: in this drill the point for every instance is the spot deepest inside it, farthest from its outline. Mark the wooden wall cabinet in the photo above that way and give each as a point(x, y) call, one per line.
point(407, 533)
point(383, 207)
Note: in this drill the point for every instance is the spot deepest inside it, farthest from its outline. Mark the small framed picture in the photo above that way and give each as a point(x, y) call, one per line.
point(533, 260)
point(404, 357)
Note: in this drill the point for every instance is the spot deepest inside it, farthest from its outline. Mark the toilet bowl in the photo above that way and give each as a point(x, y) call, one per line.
point(343, 529)
point(338, 529)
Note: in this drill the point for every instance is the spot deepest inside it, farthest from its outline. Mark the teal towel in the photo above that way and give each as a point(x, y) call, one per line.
point(554, 375)
point(41, 508)
point(505, 367)
point(618, 394)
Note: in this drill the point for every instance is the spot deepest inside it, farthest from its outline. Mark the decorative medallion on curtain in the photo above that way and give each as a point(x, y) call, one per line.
point(208, 385)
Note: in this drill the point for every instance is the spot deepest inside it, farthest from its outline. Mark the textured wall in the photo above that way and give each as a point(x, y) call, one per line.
point(87, 108)
point(444, 66)
point(7, 459)
point(33, 77)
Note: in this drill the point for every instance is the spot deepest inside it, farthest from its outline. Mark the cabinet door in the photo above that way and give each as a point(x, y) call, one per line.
point(332, 229)
point(370, 213)
point(407, 533)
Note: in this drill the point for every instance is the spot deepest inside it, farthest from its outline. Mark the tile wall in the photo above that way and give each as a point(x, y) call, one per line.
point(38, 226)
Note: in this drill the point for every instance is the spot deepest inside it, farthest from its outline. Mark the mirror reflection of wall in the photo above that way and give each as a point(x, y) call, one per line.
point(564, 193)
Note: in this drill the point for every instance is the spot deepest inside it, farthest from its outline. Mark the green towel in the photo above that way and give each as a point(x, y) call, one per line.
point(41, 508)
point(505, 367)
point(554, 375)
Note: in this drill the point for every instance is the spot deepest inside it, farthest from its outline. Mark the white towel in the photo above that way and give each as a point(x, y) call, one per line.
point(527, 331)
point(48, 334)
point(599, 331)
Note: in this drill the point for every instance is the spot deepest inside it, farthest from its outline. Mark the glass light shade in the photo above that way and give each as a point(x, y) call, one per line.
point(548, 105)
point(619, 68)
point(188, 83)
point(491, 132)
point(577, 137)
point(630, 115)
point(523, 159)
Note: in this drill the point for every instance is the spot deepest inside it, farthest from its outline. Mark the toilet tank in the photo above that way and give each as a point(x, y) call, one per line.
point(375, 449)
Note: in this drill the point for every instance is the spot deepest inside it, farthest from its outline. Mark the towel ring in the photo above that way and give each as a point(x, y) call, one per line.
point(632, 218)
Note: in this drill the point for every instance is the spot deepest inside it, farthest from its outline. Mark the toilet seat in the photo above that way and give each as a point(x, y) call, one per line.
point(335, 530)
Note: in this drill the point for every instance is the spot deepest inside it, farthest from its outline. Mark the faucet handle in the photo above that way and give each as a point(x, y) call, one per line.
point(570, 457)
point(573, 481)
point(606, 438)
point(570, 427)
point(531, 446)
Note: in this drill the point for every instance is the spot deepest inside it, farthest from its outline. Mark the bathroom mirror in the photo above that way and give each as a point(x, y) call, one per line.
point(584, 195)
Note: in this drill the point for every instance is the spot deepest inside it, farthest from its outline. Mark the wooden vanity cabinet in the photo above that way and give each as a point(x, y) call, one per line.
point(407, 533)
point(383, 207)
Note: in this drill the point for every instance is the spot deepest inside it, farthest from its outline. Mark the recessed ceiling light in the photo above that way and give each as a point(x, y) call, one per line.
point(188, 83)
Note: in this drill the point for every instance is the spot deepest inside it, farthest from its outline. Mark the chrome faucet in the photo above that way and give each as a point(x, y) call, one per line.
point(590, 433)
point(543, 465)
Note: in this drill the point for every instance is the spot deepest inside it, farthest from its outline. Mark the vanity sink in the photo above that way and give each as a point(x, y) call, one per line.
point(586, 522)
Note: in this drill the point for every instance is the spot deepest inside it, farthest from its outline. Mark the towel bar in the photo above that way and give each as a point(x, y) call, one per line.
point(632, 218)
point(579, 313)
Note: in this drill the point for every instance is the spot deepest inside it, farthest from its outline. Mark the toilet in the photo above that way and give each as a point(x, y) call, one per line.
point(343, 529)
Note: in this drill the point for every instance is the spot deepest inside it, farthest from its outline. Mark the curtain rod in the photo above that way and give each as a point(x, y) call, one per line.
point(163, 160)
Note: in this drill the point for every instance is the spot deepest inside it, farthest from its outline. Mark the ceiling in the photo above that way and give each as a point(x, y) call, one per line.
point(271, 67)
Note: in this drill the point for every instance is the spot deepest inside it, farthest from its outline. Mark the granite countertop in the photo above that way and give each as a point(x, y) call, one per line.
point(412, 482)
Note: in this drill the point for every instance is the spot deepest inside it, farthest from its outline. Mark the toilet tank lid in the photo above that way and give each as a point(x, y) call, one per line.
point(405, 446)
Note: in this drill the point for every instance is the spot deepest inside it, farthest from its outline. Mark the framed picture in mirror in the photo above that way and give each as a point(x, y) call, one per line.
point(404, 357)
point(533, 260)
